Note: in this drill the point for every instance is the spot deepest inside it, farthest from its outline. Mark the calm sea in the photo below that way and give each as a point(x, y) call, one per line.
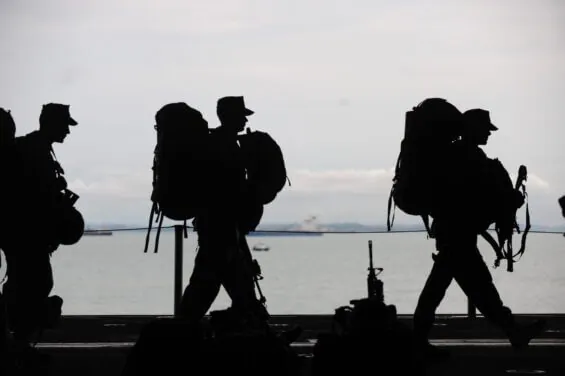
point(112, 275)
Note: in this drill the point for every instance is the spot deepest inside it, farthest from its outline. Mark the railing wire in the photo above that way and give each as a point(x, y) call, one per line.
point(309, 232)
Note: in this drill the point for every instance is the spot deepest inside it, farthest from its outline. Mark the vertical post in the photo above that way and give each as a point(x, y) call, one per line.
point(471, 311)
point(178, 266)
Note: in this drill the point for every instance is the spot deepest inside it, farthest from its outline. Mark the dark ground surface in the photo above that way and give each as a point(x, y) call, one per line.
point(98, 345)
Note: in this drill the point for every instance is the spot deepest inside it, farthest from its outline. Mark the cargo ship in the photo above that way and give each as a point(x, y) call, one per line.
point(98, 232)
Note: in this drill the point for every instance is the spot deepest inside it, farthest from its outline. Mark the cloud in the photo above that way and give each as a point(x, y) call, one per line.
point(534, 182)
point(346, 181)
point(131, 186)
point(137, 185)
point(334, 195)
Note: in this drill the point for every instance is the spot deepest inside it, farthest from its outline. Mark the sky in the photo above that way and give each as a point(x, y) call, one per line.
point(329, 80)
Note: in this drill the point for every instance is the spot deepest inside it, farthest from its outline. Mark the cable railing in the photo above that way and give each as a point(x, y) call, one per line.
point(345, 232)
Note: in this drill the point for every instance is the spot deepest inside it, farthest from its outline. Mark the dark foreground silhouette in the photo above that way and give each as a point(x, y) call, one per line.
point(177, 346)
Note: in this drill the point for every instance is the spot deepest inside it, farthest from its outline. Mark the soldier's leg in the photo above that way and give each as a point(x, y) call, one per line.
point(239, 279)
point(431, 296)
point(474, 278)
point(205, 281)
point(29, 283)
point(3, 326)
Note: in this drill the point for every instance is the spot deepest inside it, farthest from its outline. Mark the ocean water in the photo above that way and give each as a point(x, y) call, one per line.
point(302, 275)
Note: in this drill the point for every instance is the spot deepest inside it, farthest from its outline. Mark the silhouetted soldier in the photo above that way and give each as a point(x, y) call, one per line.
point(7, 138)
point(223, 256)
point(456, 228)
point(28, 251)
point(7, 143)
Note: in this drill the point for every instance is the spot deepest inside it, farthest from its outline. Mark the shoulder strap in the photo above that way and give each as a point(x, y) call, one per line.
point(495, 246)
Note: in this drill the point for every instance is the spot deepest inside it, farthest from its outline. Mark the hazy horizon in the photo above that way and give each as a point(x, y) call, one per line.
point(263, 224)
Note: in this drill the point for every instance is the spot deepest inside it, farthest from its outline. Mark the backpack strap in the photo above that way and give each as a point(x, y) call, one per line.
point(526, 229)
point(495, 246)
point(160, 217)
point(153, 211)
point(426, 220)
point(521, 186)
point(508, 252)
point(154, 206)
point(389, 220)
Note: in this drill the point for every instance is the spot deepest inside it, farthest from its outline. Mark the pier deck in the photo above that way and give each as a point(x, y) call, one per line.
point(97, 345)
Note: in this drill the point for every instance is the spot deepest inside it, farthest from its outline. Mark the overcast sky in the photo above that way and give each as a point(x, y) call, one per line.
point(330, 80)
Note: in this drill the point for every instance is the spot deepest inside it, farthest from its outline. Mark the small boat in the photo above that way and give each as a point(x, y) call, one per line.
point(261, 247)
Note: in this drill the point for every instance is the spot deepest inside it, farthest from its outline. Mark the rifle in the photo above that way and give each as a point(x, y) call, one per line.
point(370, 312)
point(253, 267)
point(506, 238)
point(374, 285)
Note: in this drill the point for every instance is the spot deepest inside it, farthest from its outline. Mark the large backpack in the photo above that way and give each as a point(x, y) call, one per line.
point(67, 219)
point(430, 129)
point(179, 165)
point(63, 222)
point(264, 162)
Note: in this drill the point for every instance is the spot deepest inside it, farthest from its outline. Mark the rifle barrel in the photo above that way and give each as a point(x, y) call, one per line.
point(370, 254)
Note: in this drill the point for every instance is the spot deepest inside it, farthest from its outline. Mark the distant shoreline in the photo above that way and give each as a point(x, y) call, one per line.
point(273, 229)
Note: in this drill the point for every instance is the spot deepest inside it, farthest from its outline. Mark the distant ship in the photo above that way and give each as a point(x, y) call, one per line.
point(98, 232)
point(285, 233)
point(308, 228)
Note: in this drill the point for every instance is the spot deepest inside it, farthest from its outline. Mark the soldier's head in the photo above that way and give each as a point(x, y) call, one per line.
point(232, 113)
point(477, 126)
point(54, 121)
point(7, 127)
point(562, 204)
